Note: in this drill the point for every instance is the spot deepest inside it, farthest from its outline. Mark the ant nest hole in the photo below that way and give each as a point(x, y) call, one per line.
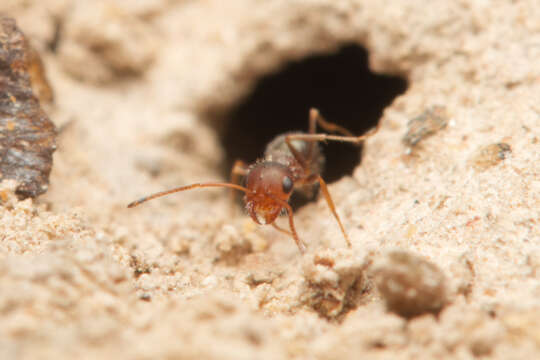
point(339, 84)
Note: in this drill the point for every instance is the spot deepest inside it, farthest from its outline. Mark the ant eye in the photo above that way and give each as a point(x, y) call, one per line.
point(287, 184)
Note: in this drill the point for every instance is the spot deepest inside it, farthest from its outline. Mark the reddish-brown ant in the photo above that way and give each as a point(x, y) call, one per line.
point(292, 160)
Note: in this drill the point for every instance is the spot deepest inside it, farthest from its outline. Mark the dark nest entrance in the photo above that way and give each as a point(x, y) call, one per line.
point(340, 85)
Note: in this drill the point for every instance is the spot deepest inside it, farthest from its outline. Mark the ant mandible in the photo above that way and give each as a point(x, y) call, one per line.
point(291, 161)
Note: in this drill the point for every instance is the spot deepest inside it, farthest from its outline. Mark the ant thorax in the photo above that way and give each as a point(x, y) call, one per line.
point(278, 151)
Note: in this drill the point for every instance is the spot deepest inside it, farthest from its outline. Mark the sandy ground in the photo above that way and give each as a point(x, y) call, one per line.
point(445, 257)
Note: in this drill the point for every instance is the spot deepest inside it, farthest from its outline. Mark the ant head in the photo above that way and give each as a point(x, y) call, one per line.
point(270, 185)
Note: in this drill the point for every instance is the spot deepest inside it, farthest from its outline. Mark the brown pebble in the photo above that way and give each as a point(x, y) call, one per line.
point(27, 136)
point(410, 285)
point(426, 124)
point(490, 155)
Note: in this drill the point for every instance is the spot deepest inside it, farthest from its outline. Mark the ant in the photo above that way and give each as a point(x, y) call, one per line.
point(291, 161)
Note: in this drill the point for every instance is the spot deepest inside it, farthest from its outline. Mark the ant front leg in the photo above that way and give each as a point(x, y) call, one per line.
point(280, 229)
point(297, 240)
point(239, 169)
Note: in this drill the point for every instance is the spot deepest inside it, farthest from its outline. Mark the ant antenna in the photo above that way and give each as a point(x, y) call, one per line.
point(188, 187)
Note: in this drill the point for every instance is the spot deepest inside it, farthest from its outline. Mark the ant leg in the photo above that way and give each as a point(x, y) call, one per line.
point(332, 207)
point(315, 118)
point(299, 243)
point(239, 168)
point(281, 229)
point(326, 137)
point(297, 155)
